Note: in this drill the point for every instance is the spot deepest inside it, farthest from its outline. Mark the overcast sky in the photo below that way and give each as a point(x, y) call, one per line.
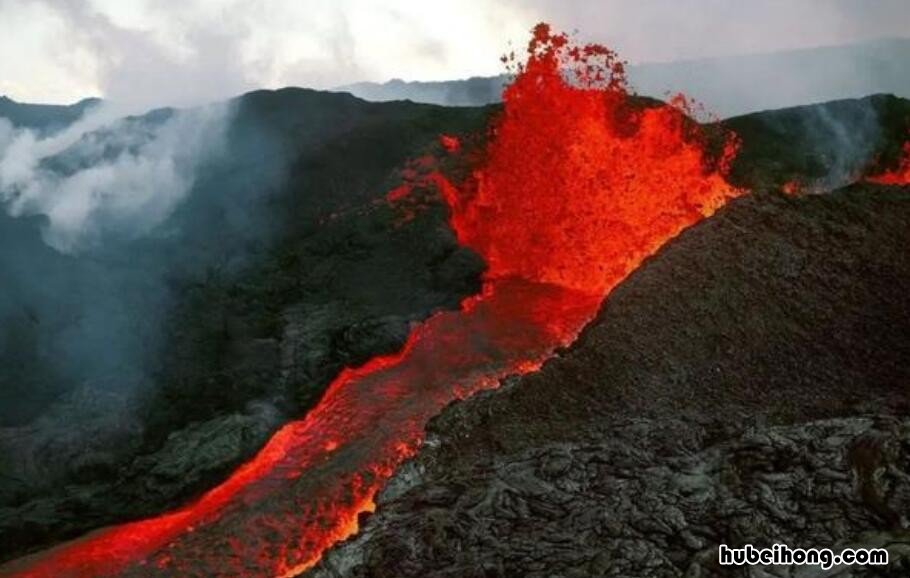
point(157, 52)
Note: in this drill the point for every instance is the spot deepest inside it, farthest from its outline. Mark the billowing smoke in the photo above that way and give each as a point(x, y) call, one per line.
point(87, 257)
point(848, 141)
point(99, 179)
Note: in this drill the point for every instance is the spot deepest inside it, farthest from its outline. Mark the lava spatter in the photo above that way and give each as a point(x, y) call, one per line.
point(579, 182)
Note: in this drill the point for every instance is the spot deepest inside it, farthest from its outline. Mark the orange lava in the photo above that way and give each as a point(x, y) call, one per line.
point(580, 181)
point(450, 143)
point(792, 188)
point(897, 176)
point(579, 184)
point(306, 488)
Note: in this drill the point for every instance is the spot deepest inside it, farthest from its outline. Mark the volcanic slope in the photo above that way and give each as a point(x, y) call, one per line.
point(819, 147)
point(282, 266)
point(748, 384)
point(267, 310)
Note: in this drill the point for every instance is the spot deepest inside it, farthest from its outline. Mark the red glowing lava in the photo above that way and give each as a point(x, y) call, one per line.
point(792, 188)
point(306, 488)
point(897, 176)
point(450, 143)
point(578, 185)
point(581, 181)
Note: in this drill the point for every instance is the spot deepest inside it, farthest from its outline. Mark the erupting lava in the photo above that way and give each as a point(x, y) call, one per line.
point(580, 182)
point(898, 176)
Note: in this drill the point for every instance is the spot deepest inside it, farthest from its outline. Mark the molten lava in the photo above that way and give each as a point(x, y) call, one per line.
point(897, 176)
point(305, 490)
point(579, 183)
point(792, 188)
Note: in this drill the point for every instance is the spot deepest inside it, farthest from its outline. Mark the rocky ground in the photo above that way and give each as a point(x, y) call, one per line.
point(746, 385)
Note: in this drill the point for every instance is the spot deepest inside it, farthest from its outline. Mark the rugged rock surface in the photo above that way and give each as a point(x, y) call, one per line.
point(648, 498)
point(748, 384)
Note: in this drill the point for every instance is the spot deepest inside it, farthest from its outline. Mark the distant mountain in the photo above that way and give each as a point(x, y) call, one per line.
point(739, 85)
point(727, 86)
point(474, 91)
point(44, 117)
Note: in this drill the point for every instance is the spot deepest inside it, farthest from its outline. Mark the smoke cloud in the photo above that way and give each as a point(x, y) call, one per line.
point(89, 252)
point(107, 179)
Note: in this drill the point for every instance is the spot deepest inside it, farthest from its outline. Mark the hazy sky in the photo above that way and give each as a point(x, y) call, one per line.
point(157, 52)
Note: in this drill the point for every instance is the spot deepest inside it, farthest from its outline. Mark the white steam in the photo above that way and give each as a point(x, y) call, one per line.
point(107, 175)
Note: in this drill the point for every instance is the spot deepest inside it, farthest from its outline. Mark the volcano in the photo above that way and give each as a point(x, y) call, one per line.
point(640, 172)
point(579, 209)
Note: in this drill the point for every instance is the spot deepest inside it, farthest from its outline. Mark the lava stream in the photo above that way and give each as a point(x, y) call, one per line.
point(305, 489)
point(579, 183)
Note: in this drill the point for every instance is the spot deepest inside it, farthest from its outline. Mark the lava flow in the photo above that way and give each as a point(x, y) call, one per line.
point(578, 184)
point(897, 176)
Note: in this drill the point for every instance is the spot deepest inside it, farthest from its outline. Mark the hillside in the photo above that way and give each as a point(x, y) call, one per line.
point(44, 117)
point(140, 371)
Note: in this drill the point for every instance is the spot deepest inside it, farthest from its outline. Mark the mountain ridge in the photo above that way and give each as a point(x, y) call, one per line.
point(726, 86)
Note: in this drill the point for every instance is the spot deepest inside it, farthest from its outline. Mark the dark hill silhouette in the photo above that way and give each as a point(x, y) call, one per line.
point(44, 117)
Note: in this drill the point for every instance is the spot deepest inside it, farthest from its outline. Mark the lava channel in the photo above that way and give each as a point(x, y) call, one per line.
point(579, 183)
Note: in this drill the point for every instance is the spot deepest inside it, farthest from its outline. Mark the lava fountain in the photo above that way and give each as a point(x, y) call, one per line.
point(579, 182)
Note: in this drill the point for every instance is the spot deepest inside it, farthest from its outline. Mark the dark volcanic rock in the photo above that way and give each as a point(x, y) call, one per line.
point(648, 498)
point(819, 147)
point(283, 265)
point(765, 355)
